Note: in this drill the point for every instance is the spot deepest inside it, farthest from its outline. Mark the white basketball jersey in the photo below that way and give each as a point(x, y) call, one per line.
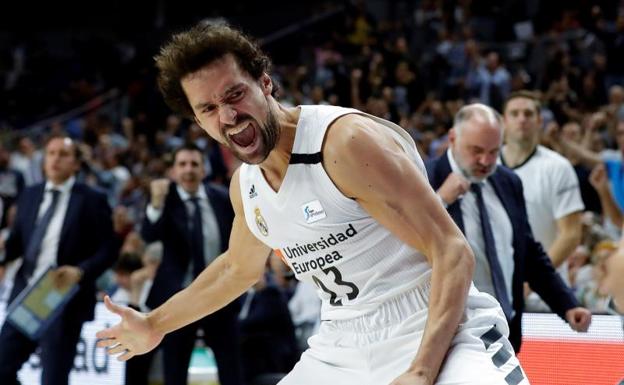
point(325, 237)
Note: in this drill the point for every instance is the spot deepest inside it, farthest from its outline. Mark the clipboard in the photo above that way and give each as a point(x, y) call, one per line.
point(35, 308)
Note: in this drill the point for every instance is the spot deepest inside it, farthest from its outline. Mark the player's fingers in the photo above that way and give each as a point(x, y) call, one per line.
point(126, 356)
point(119, 310)
point(106, 342)
point(107, 334)
point(119, 348)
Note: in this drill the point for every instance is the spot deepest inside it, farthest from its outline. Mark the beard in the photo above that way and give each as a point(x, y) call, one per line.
point(269, 132)
point(469, 172)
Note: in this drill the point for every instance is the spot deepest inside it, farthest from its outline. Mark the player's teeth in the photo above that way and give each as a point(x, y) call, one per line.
point(239, 130)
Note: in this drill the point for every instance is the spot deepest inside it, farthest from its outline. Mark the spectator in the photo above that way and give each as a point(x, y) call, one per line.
point(612, 282)
point(579, 269)
point(599, 180)
point(28, 160)
point(612, 160)
point(490, 81)
point(111, 174)
point(171, 133)
point(573, 132)
point(7, 277)
point(590, 278)
point(126, 264)
point(141, 280)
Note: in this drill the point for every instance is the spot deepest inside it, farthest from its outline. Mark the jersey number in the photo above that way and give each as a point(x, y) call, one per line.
point(338, 281)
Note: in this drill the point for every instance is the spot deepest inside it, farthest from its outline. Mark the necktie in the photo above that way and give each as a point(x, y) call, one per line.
point(34, 245)
point(490, 251)
point(197, 238)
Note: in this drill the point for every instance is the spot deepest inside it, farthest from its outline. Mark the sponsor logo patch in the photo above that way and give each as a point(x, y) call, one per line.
point(313, 211)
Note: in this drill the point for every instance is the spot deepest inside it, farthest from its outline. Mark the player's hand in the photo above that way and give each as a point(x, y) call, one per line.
point(453, 188)
point(130, 337)
point(159, 188)
point(2, 272)
point(579, 319)
point(411, 378)
point(66, 276)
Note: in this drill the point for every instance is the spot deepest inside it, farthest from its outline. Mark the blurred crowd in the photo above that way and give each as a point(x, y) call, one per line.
point(416, 70)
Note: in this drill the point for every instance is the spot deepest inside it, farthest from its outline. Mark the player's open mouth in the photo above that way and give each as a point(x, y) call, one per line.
point(243, 136)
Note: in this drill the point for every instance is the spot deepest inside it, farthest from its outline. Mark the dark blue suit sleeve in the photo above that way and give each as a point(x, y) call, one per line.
point(106, 252)
point(153, 232)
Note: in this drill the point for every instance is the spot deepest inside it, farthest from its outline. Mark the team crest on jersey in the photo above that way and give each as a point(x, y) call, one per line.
point(313, 211)
point(252, 192)
point(261, 223)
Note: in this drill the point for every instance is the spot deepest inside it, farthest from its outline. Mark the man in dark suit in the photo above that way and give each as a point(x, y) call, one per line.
point(269, 344)
point(486, 202)
point(193, 221)
point(59, 223)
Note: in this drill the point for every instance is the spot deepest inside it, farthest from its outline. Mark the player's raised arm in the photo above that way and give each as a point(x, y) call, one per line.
point(367, 164)
point(230, 275)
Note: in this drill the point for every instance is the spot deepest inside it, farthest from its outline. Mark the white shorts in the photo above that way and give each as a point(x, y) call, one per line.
point(378, 347)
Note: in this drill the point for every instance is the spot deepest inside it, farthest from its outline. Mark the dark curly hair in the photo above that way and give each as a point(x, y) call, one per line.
point(187, 52)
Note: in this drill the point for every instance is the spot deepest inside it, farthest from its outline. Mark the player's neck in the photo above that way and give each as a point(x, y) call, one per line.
point(275, 165)
point(516, 153)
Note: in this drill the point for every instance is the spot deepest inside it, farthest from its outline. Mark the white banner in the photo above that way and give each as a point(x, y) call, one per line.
point(91, 366)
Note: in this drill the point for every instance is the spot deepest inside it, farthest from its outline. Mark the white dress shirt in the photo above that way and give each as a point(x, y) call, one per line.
point(501, 229)
point(50, 243)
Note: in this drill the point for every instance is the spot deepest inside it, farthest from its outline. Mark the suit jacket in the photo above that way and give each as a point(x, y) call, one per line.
point(86, 240)
point(172, 230)
point(268, 340)
point(531, 263)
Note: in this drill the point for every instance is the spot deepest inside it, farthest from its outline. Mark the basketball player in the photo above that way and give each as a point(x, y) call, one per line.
point(343, 198)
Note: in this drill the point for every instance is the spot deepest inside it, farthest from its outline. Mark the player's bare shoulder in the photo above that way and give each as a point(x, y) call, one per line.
point(355, 136)
point(235, 194)
point(358, 149)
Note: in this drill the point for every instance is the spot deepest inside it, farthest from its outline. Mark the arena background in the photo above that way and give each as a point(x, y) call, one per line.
point(74, 65)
